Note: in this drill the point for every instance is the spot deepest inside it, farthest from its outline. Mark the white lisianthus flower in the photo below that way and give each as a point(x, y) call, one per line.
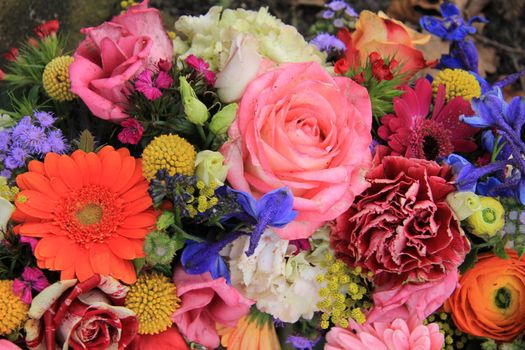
point(6, 209)
point(282, 284)
point(213, 36)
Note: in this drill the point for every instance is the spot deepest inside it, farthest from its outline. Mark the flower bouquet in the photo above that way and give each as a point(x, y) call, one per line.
point(229, 184)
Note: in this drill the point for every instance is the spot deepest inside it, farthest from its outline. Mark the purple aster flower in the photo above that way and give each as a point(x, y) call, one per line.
point(34, 138)
point(302, 343)
point(277, 322)
point(337, 5)
point(351, 12)
point(328, 43)
point(5, 140)
point(19, 129)
point(16, 158)
point(44, 118)
point(328, 14)
point(338, 23)
point(6, 173)
point(32, 278)
point(274, 209)
point(56, 142)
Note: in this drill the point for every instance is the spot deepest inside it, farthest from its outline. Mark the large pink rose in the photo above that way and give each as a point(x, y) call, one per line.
point(418, 300)
point(401, 228)
point(112, 54)
point(204, 303)
point(299, 127)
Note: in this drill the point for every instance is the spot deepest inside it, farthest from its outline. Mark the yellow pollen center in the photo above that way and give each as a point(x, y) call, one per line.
point(457, 82)
point(89, 214)
point(169, 152)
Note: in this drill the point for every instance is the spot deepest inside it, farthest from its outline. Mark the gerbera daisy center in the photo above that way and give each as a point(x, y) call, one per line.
point(89, 214)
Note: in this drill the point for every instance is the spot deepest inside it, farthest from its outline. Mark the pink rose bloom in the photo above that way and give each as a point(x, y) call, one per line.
point(114, 53)
point(205, 302)
point(7, 345)
point(398, 335)
point(299, 127)
point(411, 300)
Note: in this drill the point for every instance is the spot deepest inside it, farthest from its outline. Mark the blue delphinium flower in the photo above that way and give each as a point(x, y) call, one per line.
point(328, 43)
point(451, 26)
point(274, 209)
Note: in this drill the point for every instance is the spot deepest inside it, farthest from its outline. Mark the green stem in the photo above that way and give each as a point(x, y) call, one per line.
point(209, 140)
point(200, 130)
point(187, 235)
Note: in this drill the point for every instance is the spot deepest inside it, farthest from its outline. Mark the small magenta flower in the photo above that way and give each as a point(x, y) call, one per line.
point(151, 88)
point(131, 131)
point(32, 278)
point(202, 67)
point(30, 241)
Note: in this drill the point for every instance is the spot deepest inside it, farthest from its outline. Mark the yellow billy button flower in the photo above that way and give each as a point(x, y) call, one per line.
point(154, 299)
point(56, 79)
point(489, 219)
point(457, 82)
point(169, 152)
point(13, 312)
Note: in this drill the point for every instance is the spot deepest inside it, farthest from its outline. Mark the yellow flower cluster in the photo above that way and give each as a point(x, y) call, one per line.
point(202, 199)
point(458, 82)
point(13, 312)
point(124, 5)
point(344, 294)
point(56, 79)
point(6, 191)
point(454, 338)
point(154, 299)
point(169, 152)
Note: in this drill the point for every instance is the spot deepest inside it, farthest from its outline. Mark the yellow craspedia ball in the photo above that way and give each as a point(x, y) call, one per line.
point(169, 152)
point(458, 82)
point(154, 299)
point(13, 312)
point(56, 79)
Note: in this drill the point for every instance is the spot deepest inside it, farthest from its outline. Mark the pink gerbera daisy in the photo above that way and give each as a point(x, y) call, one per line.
point(410, 133)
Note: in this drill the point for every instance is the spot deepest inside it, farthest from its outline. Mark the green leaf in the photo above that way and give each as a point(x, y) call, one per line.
point(165, 220)
point(520, 249)
point(179, 241)
point(499, 250)
point(139, 264)
point(86, 141)
point(470, 260)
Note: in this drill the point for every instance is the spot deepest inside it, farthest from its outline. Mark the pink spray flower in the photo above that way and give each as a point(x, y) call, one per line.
point(29, 240)
point(32, 278)
point(202, 67)
point(398, 335)
point(151, 88)
point(131, 131)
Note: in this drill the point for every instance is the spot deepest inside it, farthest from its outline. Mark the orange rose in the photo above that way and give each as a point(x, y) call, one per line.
point(491, 300)
point(386, 36)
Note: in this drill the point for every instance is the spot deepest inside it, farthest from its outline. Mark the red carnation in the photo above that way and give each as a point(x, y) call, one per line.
point(401, 227)
point(48, 28)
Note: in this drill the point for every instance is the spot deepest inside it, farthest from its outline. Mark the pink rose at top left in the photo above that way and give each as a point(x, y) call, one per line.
point(114, 53)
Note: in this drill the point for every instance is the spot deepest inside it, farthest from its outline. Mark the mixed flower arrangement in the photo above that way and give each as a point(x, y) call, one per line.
point(231, 185)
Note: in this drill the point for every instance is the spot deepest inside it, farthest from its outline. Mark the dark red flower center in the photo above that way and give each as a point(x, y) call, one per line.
point(431, 141)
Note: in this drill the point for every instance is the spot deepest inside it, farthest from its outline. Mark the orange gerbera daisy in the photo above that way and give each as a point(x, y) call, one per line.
point(91, 211)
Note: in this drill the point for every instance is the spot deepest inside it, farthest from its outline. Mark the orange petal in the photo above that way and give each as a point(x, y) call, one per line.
point(122, 270)
point(36, 229)
point(40, 183)
point(79, 157)
point(104, 151)
point(48, 247)
point(137, 206)
point(111, 165)
point(66, 256)
point(36, 167)
point(99, 256)
point(140, 220)
point(83, 268)
point(59, 186)
point(94, 167)
point(33, 204)
point(126, 173)
point(51, 165)
point(138, 245)
point(121, 247)
point(69, 172)
point(137, 177)
point(137, 233)
point(136, 192)
point(68, 274)
point(124, 152)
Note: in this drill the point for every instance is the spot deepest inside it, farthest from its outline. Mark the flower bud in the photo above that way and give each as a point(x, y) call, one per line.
point(196, 111)
point(463, 204)
point(209, 167)
point(222, 120)
point(489, 219)
point(159, 248)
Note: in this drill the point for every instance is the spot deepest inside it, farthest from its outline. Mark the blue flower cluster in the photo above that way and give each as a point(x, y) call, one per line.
point(336, 9)
point(31, 138)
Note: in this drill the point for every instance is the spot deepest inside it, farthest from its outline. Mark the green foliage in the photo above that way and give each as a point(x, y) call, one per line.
point(86, 141)
point(27, 70)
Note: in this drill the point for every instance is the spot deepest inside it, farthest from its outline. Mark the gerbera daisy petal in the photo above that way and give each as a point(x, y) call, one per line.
point(48, 247)
point(36, 229)
point(135, 179)
point(126, 173)
point(65, 257)
point(124, 152)
point(121, 247)
point(38, 182)
point(122, 269)
point(105, 151)
point(79, 157)
point(36, 167)
point(83, 268)
point(95, 168)
point(51, 165)
point(111, 165)
point(67, 274)
point(135, 193)
point(59, 186)
point(136, 233)
point(99, 256)
point(137, 206)
point(69, 172)
point(139, 221)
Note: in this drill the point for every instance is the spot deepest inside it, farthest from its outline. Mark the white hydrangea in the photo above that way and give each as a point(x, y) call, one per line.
point(210, 37)
point(282, 284)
